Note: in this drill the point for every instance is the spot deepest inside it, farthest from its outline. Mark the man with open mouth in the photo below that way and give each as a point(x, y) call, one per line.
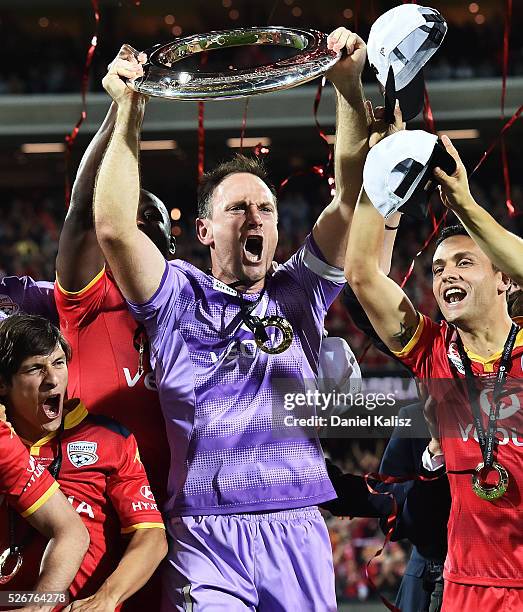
point(245, 530)
point(94, 459)
point(31, 491)
point(472, 365)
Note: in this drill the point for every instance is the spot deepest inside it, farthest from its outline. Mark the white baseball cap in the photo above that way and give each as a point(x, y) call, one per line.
point(398, 172)
point(401, 42)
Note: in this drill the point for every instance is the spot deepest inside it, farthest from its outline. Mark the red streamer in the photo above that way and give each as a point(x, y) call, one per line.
point(504, 157)
point(201, 127)
point(244, 123)
point(493, 145)
point(391, 520)
point(323, 171)
point(428, 115)
point(425, 245)
point(71, 138)
point(201, 139)
point(506, 49)
point(357, 9)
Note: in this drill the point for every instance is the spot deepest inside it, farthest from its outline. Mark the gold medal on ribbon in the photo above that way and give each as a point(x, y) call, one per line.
point(490, 492)
point(4, 558)
point(286, 331)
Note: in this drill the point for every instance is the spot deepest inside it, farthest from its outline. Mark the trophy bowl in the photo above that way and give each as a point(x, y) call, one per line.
point(162, 78)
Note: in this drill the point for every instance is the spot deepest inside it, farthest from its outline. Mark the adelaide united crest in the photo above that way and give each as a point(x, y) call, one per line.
point(82, 453)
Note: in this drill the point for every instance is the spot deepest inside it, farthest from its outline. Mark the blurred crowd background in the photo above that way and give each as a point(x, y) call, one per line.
point(470, 50)
point(46, 45)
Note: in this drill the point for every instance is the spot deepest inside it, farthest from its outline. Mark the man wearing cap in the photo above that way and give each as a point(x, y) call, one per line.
point(467, 362)
point(245, 530)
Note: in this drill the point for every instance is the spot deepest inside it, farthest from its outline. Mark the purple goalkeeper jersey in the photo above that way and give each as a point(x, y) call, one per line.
point(219, 393)
point(23, 294)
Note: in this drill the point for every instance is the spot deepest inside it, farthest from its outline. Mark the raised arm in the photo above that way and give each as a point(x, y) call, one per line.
point(79, 256)
point(389, 310)
point(331, 230)
point(504, 249)
point(68, 543)
point(135, 261)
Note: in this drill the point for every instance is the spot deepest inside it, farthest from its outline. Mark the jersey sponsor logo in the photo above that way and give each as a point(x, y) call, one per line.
point(147, 493)
point(132, 380)
point(504, 436)
point(36, 470)
point(140, 506)
point(507, 407)
point(80, 506)
point(242, 348)
point(82, 453)
point(454, 358)
point(7, 306)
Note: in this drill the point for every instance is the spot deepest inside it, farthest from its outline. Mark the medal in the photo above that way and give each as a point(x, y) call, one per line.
point(258, 325)
point(260, 335)
point(4, 558)
point(15, 550)
point(487, 439)
point(490, 492)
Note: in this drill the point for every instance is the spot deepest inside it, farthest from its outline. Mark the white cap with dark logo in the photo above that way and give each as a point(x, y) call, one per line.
point(398, 172)
point(401, 42)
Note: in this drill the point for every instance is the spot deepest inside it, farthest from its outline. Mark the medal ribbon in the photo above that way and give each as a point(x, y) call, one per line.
point(253, 322)
point(487, 439)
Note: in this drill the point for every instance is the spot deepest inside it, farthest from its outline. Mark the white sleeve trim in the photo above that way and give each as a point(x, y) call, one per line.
point(321, 268)
point(431, 464)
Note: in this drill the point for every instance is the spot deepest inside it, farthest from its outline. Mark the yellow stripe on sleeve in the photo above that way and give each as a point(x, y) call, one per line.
point(414, 340)
point(143, 526)
point(40, 502)
point(88, 286)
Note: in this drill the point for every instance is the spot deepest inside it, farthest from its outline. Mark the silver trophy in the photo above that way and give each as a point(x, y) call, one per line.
point(162, 78)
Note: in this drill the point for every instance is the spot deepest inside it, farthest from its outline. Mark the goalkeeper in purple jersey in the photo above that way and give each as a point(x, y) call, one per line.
point(245, 530)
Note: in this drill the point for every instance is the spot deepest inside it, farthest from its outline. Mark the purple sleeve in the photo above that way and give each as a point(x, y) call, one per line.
point(310, 270)
point(159, 310)
point(23, 294)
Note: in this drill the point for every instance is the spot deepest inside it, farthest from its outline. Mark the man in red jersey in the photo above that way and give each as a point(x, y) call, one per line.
point(466, 361)
point(110, 368)
point(94, 459)
point(31, 490)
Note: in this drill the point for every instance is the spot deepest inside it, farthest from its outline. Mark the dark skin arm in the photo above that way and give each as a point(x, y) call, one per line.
point(79, 257)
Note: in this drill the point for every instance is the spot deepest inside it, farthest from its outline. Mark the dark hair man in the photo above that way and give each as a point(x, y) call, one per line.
point(465, 362)
point(95, 461)
point(32, 491)
point(239, 496)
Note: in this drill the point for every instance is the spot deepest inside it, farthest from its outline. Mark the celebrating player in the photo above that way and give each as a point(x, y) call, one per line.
point(465, 361)
point(245, 532)
point(94, 459)
point(32, 491)
point(110, 369)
